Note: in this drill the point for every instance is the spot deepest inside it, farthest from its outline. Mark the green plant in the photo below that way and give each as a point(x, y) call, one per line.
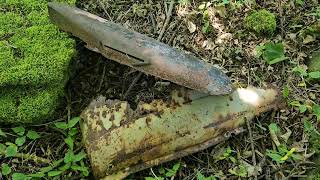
point(272, 53)
point(239, 171)
point(206, 26)
point(261, 22)
point(281, 154)
point(73, 161)
point(166, 172)
point(200, 176)
point(34, 62)
point(228, 155)
point(302, 71)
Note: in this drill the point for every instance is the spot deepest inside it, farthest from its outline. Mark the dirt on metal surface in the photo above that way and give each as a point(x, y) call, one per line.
point(121, 141)
point(139, 51)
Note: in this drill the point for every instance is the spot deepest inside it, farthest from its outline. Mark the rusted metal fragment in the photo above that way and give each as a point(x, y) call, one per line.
point(139, 51)
point(121, 141)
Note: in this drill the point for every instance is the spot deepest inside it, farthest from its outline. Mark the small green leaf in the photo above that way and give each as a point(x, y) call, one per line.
point(81, 155)
point(65, 167)
point(20, 140)
point(299, 2)
point(32, 135)
point(2, 133)
point(69, 141)
point(73, 122)
point(274, 132)
point(69, 156)
point(206, 27)
point(232, 159)
point(19, 130)
point(6, 169)
point(11, 151)
point(277, 60)
point(316, 111)
point(162, 170)
point(176, 166)
point(295, 103)
point(173, 171)
point(73, 131)
point(273, 128)
point(46, 169)
point(79, 168)
point(302, 70)
point(61, 125)
point(303, 108)
point(37, 175)
point(54, 173)
point(273, 53)
point(285, 92)
point(275, 157)
point(2, 148)
point(19, 176)
point(308, 126)
point(314, 75)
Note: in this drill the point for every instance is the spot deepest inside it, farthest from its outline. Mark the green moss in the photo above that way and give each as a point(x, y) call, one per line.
point(44, 54)
point(314, 63)
point(27, 106)
point(10, 23)
point(34, 61)
point(261, 22)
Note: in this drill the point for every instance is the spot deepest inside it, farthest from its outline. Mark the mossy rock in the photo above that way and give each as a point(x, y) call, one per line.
point(314, 62)
point(261, 22)
point(34, 61)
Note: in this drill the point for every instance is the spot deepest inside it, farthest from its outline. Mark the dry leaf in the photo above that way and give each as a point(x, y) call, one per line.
point(191, 27)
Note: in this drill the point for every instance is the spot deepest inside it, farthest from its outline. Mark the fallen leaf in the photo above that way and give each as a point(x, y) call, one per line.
point(191, 27)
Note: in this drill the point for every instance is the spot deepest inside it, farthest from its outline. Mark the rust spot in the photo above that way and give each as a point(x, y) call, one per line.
point(148, 121)
point(221, 119)
point(104, 114)
point(187, 100)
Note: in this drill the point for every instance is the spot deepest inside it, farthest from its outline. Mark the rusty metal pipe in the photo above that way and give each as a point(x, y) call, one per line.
point(139, 51)
point(121, 141)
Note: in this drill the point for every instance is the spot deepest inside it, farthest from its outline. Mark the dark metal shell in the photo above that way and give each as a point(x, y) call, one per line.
point(139, 51)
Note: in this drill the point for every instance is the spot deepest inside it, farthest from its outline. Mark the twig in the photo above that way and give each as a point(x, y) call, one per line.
point(169, 13)
point(175, 32)
point(102, 77)
point(28, 156)
point(281, 20)
point(132, 84)
point(310, 164)
point(154, 175)
point(252, 149)
point(105, 10)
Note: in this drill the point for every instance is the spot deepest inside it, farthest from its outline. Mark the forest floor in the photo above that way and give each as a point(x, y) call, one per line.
point(214, 32)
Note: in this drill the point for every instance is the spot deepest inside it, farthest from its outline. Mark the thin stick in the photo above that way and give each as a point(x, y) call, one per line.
point(102, 77)
point(169, 13)
point(132, 84)
point(252, 149)
point(28, 156)
point(105, 10)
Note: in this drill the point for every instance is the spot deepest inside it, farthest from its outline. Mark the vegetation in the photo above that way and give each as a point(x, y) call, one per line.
point(34, 62)
point(261, 22)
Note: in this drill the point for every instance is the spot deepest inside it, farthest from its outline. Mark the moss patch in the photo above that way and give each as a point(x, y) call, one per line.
point(34, 61)
point(314, 63)
point(261, 22)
